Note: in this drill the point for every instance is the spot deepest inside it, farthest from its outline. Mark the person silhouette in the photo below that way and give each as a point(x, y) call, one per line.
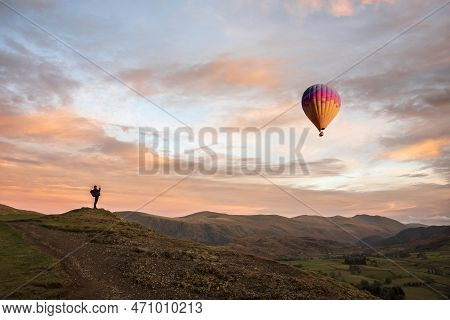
point(96, 194)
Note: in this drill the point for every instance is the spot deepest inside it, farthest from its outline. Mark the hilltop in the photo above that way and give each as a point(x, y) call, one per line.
point(112, 258)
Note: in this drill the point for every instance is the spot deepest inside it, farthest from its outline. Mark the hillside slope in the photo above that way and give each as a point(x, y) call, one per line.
point(9, 213)
point(271, 236)
point(115, 259)
point(417, 238)
point(360, 226)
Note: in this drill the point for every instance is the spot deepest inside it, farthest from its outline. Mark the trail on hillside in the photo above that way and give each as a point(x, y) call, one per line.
point(91, 269)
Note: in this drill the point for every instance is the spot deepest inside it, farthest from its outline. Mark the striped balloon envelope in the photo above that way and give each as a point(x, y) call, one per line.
point(321, 103)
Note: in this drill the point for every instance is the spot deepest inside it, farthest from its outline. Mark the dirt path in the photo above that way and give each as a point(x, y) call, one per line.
point(93, 273)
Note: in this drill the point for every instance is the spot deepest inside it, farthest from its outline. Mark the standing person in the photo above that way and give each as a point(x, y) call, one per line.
point(96, 194)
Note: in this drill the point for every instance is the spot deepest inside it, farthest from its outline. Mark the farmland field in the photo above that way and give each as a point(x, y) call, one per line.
point(420, 276)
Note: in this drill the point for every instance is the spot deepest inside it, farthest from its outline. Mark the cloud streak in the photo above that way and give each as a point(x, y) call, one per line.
point(428, 149)
point(339, 8)
point(222, 75)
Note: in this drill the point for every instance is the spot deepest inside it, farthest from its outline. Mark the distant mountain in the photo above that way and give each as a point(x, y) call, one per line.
point(415, 225)
point(416, 238)
point(270, 235)
point(359, 226)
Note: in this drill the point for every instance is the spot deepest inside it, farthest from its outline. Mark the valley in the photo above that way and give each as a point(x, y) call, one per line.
point(419, 275)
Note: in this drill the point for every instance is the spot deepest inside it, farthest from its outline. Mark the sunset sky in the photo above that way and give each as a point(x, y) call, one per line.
point(66, 125)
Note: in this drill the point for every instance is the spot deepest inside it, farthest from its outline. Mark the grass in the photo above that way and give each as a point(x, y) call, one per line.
point(11, 214)
point(421, 293)
point(405, 272)
point(85, 220)
point(19, 262)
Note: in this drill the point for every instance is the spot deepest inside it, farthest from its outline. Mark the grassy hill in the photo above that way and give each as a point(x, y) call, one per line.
point(12, 214)
point(106, 257)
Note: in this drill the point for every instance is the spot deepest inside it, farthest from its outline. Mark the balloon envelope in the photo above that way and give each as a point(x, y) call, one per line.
point(321, 103)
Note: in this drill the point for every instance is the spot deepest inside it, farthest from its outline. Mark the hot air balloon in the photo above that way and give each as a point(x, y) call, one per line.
point(321, 103)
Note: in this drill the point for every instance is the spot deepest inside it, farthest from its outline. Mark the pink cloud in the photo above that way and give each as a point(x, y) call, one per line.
point(222, 74)
point(341, 8)
point(338, 8)
point(426, 149)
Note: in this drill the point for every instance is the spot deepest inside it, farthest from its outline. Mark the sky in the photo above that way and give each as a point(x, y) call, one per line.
point(69, 114)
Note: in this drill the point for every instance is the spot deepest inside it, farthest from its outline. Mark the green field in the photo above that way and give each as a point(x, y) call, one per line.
point(421, 276)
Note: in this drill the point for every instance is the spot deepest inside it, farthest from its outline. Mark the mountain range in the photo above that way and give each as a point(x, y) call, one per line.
point(272, 236)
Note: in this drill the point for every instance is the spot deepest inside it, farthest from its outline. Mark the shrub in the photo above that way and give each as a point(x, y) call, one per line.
point(385, 293)
point(355, 259)
point(354, 269)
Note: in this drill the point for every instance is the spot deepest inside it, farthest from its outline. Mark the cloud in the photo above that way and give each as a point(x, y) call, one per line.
point(225, 71)
point(341, 8)
point(143, 80)
point(405, 87)
point(63, 129)
point(222, 75)
point(338, 8)
point(377, 1)
point(16, 46)
point(413, 175)
point(258, 115)
point(52, 125)
point(36, 4)
point(427, 149)
point(327, 167)
point(441, 165)
point(27, 161)
point(430, 220)
point(37, 80)
point(425, 103)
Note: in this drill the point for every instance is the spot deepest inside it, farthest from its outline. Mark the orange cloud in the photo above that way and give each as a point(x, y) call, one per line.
point(338, 8)
point(257, 116)
point(221, 75)
point(60, 124)
point(246, 72)
point(341, 8)
point(143, 79)
point(426, 149)
point(377, 1)
point(66, 130)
